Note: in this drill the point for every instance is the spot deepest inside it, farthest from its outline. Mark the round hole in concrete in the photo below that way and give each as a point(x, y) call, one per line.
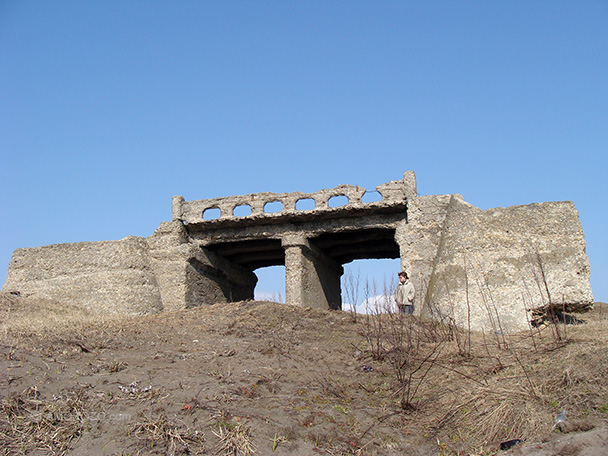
point(212, 213)
point(338, 200)
point(242, 210)
point(305, 204)
point(273, 206)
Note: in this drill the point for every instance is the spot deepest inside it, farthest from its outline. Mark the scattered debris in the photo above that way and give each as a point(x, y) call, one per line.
point(558, 312)
point(509, 444)
point(134, 388)
point(79, 345)
point(560, 418)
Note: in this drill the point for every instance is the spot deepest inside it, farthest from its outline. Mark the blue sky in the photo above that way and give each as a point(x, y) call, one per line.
point(109, 108)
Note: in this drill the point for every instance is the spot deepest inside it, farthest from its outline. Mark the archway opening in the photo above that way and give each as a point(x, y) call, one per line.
point(271, 284)
point(370, 258)
point(368, 285)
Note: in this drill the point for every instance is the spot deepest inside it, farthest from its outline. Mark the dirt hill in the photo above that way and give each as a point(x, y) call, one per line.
point(265, 378)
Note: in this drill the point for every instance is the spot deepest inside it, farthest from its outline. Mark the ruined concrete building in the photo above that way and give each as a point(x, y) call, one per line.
point(481, 268)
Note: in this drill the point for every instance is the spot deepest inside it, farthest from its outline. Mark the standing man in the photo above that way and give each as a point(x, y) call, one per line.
point(404, 294)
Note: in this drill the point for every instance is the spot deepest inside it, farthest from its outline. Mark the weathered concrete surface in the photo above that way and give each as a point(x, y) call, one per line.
point(493, 265)
point(484, 269)
point(189, 275)
point(170, 251)
point(312, 279)
point(419, 237)
point(134, 275)
point(393, 193)
point(107, 276)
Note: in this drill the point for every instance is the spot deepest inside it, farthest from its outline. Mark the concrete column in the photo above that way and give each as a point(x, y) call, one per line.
point(177, 207)
point(312, 279)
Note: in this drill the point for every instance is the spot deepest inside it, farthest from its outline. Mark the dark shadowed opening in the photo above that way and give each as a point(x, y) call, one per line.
point(347, 246)
point(266, 258)
point(370, 259)
point(252, 254)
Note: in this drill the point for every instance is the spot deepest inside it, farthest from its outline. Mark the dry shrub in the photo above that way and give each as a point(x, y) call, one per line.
point(414, 347)
point(508, 387)
point(409, 344)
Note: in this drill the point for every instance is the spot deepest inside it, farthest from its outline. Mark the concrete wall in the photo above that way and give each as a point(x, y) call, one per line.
point(133, 275)
point(493, 265)
point(107, 276)
point(418, 238)
point(193, 212)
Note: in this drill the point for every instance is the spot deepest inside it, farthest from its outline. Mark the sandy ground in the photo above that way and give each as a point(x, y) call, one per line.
point(590, 443)
point(259, 378)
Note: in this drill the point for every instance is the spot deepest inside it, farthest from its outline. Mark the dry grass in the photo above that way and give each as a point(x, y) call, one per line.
point(28, 423)
point(34, 322)
point(234, 441)
point(467, 402)
point(516, 392)
point(171, 437)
